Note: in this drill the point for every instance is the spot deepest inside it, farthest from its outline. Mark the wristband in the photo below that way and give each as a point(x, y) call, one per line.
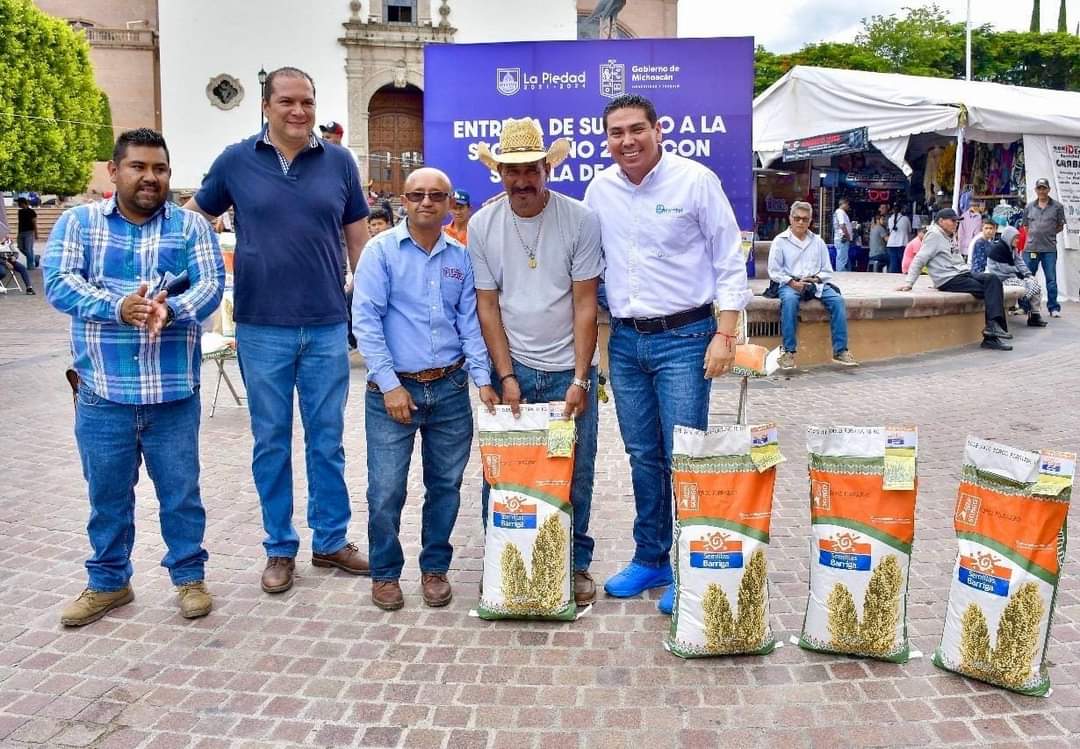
point(506, 377)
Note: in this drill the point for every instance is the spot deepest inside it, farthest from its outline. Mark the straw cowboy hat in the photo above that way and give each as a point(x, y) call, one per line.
point(522, 142)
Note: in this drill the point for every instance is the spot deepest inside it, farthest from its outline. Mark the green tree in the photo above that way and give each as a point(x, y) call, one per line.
point(1036, 23)
point(923, 42)
point(1037, 60)
point(767, 69)
point(105, 132)
point(1063, 23)
point(50, 107)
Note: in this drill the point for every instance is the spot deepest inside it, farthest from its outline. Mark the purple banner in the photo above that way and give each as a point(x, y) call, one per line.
point(702, 89)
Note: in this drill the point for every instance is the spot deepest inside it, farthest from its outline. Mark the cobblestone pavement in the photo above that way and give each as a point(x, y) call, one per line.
point(321, 666)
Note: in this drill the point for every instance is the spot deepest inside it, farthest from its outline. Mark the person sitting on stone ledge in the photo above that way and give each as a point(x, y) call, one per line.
point(1002, 260)
point(799, 264)
point(949, 272)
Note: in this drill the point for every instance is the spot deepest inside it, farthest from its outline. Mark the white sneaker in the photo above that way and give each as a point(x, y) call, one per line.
point(3, 290)
point(1055, 313)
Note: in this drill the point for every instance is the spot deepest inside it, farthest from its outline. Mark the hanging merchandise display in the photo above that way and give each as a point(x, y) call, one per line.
point(723, 480)
point(862, 514)
point(1011, 510)
point(528, 461)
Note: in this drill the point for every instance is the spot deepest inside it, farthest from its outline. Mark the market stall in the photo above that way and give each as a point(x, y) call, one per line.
point(1010, 137)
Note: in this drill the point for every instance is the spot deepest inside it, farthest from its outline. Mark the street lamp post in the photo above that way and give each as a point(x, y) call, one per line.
point(262, 96)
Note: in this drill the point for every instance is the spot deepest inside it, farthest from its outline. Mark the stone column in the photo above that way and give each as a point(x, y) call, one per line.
point(358, 112)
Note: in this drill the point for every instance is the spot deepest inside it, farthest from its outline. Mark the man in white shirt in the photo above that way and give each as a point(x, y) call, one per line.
point(673, 253)
point(799, 263)
point(843, 231)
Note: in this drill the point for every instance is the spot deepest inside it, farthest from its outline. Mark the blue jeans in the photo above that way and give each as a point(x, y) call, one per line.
point(896, 258)
point(113, 440)
point(789, 317)
point(842, 246)
point(444, 420)
point(659, 381)
point(313, 361)
point(1049, 266)
point(538, 386)
point(25, 242)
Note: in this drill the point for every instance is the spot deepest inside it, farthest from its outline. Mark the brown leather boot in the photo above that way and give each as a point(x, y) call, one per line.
point(278, 575)
point(348, 558)
point(584, 589)
point(386, 594)
point(436, 589)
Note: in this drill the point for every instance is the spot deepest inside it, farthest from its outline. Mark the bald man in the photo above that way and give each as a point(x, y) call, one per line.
point(414, 317)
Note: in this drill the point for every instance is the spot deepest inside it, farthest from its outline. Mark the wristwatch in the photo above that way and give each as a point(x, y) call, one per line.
point(585, 385)
point(170, 317)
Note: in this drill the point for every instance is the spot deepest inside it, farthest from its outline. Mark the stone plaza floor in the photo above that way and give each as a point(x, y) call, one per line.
point(320, 666)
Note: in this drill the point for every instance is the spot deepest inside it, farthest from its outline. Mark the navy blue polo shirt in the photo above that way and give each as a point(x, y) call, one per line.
point(288, 229)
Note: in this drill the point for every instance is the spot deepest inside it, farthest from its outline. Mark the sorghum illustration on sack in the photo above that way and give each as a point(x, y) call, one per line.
point(862, 516)
point(1010, 521)
point(528, 461)
point(723, 481)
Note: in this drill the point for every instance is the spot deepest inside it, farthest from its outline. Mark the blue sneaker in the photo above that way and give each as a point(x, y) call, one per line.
point(634, 579)
point(667, 601)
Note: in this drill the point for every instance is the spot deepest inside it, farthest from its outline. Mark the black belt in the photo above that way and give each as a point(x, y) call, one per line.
point(669, 322)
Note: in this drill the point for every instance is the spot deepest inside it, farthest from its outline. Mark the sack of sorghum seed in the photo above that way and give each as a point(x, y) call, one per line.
point(528, 462)
point(723, 481)
point(1010, 518)
point(862, 519)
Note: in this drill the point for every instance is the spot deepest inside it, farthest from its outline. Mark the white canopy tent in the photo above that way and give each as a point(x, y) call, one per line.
point(811, 101)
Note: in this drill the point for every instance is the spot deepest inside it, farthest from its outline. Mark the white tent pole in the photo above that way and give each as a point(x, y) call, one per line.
point(960, 130)
point(968, 34)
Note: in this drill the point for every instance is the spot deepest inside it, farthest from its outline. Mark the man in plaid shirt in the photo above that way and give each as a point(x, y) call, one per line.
point(137, 275)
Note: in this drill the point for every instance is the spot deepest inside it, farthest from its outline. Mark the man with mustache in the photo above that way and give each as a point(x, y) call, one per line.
point(414, 316)
point(538, 260)
point(674, 256)
point(136, 352)
point(294, 194)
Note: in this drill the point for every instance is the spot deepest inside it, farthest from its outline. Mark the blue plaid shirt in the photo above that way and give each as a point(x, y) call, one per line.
point(95, 257)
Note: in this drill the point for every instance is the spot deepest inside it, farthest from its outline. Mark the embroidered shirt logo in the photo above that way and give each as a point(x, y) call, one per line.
point(661, 209)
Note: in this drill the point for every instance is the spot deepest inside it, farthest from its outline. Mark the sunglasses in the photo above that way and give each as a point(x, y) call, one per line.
point(800, 219)
point(878, 195)
point(417, 196)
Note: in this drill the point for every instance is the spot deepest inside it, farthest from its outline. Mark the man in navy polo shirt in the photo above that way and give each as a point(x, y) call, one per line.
point(294, 195)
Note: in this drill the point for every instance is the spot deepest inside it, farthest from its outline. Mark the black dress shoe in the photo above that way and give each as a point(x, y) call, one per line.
point(993, 330)
point(995, 343)
point(1035, 320)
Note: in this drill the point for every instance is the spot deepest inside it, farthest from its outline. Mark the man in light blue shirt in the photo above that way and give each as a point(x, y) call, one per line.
point(414, 317)
point(799, 264)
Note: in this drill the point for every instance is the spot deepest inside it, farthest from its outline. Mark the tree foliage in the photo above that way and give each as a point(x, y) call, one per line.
point(1063, 22)
point(1035, 20)
point(925, 41)
point(105, 132)
point(50, 107)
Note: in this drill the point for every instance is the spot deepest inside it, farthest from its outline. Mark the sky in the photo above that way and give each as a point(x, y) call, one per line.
point(787, 25)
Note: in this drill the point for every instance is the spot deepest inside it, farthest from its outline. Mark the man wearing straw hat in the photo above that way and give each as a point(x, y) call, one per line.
point(537, 260)
point(674, 258)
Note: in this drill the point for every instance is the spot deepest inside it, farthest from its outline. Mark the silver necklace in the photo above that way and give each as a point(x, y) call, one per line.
point(530, 250)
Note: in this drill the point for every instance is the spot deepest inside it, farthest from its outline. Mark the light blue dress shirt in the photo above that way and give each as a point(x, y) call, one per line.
point(414, 311)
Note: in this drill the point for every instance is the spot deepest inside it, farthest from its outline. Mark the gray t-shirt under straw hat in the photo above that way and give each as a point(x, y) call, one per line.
point(537, 303)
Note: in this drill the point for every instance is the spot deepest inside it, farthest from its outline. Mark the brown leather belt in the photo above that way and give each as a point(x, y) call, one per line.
point(426, 375)
point(670, 322)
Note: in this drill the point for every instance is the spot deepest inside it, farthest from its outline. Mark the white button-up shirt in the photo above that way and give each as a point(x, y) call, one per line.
point(670, 243)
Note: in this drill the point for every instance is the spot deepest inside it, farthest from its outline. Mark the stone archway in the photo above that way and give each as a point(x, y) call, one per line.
point(383, 56)
point(395, 136)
